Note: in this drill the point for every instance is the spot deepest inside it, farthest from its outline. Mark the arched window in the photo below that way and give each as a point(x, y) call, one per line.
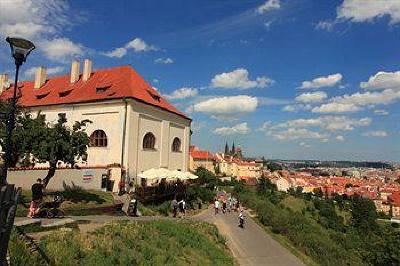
point(149, 141)
point(176, 145)
point(98, 139)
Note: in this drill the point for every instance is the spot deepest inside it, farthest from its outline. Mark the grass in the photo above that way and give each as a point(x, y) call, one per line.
point(295, 204)
point(159, 242)
point(77, 201)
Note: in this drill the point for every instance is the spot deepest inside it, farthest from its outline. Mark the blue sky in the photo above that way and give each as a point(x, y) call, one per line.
point(289, 79)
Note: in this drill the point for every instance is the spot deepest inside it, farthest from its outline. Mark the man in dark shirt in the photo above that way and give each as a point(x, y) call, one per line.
point(37, 190)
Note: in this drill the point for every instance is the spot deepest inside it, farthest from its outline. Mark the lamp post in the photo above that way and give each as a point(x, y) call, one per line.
point(20, 49)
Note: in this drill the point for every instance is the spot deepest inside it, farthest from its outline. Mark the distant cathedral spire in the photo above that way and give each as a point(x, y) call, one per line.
point(226, 148)
point(233, 149)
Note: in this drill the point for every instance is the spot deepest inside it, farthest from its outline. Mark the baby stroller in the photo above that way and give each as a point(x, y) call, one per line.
point(51, 209)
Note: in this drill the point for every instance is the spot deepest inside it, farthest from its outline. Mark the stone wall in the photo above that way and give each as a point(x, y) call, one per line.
point(85, 178)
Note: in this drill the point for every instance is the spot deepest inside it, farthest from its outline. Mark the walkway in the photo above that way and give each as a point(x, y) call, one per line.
point(251, 245)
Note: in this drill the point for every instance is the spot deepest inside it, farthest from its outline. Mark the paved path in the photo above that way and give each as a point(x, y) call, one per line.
point(251, 245)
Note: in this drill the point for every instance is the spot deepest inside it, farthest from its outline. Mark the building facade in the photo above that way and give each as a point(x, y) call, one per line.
point(132, 127)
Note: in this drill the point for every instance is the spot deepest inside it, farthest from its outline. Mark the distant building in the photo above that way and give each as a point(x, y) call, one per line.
point(200, 158)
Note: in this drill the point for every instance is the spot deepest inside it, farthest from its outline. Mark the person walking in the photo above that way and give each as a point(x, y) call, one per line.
point(216, 206)
point(224, 206)
point(121, 186)
point(174, 205)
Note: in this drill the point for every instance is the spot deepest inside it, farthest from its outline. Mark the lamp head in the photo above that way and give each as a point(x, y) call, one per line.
point(20, 49)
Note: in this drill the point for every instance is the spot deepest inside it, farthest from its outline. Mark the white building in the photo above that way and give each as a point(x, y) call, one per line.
point(133, 127)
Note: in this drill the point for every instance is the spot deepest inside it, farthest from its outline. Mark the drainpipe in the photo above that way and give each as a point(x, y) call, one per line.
point(124, 135)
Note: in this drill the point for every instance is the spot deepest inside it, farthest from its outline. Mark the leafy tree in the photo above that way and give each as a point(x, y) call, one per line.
point(35, 141)
point(273, 166)
point(206, 177)
point(265, 186)
point(363, 213)
point(318, 192)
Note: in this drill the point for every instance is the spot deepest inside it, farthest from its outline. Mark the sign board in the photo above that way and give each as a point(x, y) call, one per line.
point(87, 175)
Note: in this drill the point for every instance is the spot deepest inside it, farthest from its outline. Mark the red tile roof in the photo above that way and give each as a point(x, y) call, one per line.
point(395, 199)
point(104, 84)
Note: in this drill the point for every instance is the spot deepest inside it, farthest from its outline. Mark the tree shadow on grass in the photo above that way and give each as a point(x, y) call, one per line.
point(76, 194)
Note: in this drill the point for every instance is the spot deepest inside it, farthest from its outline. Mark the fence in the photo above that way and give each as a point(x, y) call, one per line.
point(9, 197)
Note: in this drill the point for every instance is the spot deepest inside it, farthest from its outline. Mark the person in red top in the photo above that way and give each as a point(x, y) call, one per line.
point(121, 187)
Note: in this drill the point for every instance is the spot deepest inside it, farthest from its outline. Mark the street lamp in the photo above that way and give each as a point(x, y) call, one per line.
point(20, 49)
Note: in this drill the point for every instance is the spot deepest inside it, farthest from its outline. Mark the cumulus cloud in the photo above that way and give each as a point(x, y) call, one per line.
point(268, 6)
point(228, 107)
point(164, 60)
point(240, 129)
point(296, 108)
point(321, 82)
point(61, 49)
point(117, 52)
point(383, 80)
point(312, 97)
point(368, 10)
point(50, 71)
point(297, 133)
point(329, 123)
point(304, 145)
point(137, 45)
point(355, 102)
point(339, 138)
point(381, 112)
point(182, 93)
point(377, 133)
point(239, 79)
point(42, 22)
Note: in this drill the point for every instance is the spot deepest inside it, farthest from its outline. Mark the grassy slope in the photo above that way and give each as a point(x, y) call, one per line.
point(142, 243)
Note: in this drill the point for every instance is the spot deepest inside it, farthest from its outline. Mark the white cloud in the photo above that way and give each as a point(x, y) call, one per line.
point(50, 71)
point(164, 61)
point(368, 10)
point(61, 49)
point(377, 133)
point(117, 52)
point(296, 108)
point(297, 133)
point(325, 25)
point(381, 112)
point(32, 19)
point(311, 97)
point(137, 44)
point(228, 107)
point(321, 82)
point(340, 138)
point(42, 22)
point(383, 80)
point(289, 108)
point(355, 102)
point(240, 129)
point(304, 145)
point(182, 93)
point(265, 126)
point(268, 6)
point(329, 123)
point(239, 79)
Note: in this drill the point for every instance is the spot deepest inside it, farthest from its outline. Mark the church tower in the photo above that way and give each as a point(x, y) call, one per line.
point(226, 149)
point(233, 151)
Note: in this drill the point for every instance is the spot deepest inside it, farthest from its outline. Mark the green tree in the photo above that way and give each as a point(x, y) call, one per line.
point(35, 141)
point(265, 186)
point(363, 213)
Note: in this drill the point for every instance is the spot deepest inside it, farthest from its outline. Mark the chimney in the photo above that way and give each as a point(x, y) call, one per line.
point(40, 77)
point(74, 71)
point(87, 69)
point(3, 82)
